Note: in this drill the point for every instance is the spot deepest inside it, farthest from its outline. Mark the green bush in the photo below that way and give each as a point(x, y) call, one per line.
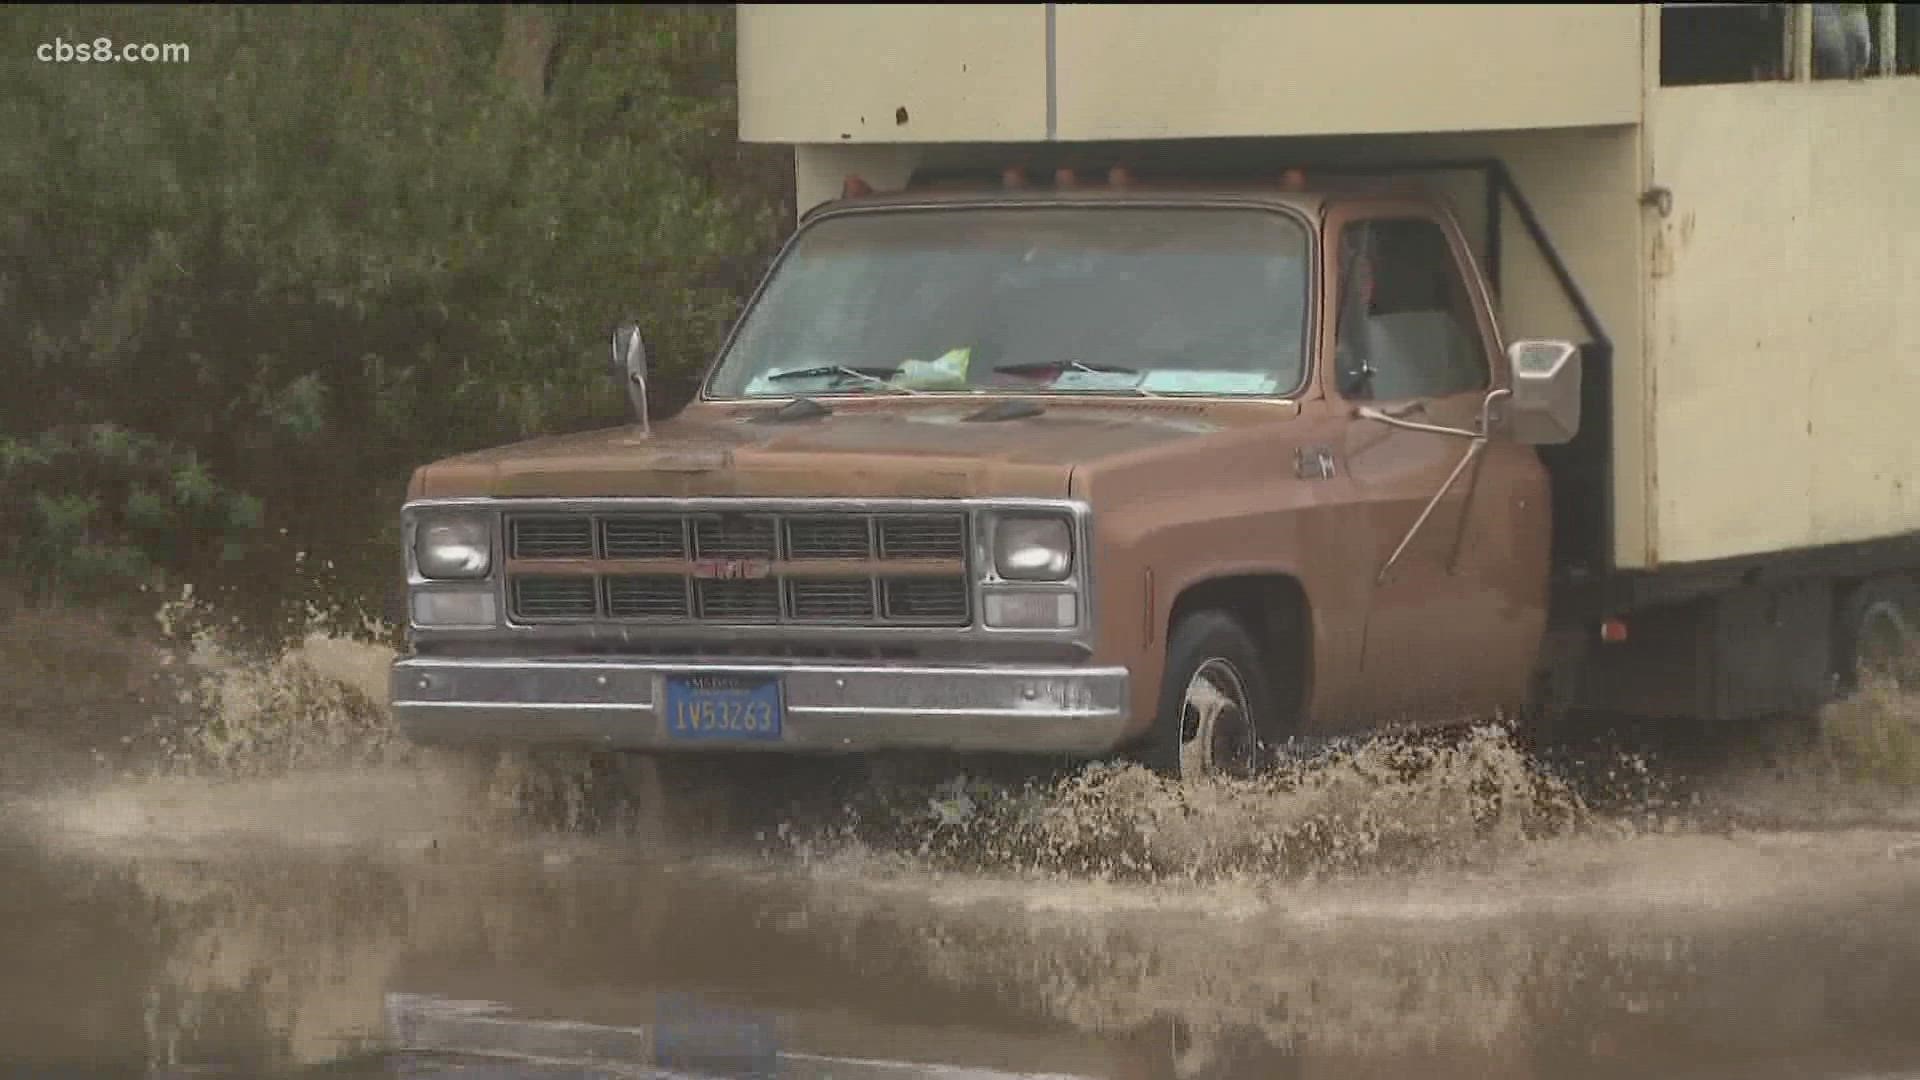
point(101, 512)
point(337, 242)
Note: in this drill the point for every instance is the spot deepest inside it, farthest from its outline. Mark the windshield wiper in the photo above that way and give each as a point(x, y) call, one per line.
point(876, 376)
point(1044, 366)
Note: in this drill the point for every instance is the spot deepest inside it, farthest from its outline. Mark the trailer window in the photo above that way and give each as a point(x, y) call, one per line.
point(1702, 44)
point(1906, 39)
point(1407, 326)
point(1849, 40)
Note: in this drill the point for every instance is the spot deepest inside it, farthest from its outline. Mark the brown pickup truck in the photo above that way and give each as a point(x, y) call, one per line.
point(1095, 466)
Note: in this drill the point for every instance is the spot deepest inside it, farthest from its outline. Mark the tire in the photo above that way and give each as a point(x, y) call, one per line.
point(1877, 629)
point(1210, 656)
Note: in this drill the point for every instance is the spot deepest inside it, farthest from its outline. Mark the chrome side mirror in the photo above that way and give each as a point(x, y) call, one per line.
point(1546, 391)
point(630, 367)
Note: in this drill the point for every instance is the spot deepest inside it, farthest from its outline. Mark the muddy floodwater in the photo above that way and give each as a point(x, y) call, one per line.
point(1451, 915)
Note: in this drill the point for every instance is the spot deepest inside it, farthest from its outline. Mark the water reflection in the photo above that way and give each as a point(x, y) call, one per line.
point(251, 961)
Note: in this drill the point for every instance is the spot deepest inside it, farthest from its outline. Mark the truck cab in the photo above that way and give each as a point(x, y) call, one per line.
point(1078, 465)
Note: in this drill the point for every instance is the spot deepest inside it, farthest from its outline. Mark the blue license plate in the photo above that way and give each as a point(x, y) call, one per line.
point(723, 708)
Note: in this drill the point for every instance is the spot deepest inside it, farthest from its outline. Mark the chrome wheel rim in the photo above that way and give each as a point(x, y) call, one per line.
point(1217, 737)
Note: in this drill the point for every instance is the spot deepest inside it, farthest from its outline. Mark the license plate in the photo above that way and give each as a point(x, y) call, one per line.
point(723, 708)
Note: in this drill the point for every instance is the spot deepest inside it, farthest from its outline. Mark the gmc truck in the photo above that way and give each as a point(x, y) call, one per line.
point(1107, 411)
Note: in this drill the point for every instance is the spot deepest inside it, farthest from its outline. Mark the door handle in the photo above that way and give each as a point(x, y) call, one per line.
point(1313, 463)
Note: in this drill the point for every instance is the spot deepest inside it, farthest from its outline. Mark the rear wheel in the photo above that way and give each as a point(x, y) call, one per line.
point(1214, 701)
point(1876, 642)
point(1877, 635)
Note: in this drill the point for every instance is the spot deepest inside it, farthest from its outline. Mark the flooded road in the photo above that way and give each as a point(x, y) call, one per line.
point(376, 921)
point(141, 936)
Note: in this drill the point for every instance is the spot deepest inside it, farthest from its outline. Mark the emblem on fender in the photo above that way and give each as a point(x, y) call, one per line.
point(732, 569)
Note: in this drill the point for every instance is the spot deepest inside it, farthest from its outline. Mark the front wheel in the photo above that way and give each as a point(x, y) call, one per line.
point(1214, 701)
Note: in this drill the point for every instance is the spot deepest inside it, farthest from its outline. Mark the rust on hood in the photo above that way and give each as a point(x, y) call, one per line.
point(868, 448)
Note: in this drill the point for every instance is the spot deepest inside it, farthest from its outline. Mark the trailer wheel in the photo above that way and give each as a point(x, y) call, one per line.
point(1214, 701)
point(1877, 634)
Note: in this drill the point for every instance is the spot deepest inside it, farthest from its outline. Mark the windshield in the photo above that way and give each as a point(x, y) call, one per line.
point(1130, 300)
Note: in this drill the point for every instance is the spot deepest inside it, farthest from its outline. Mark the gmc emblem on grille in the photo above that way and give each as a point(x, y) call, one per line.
point(732, 569)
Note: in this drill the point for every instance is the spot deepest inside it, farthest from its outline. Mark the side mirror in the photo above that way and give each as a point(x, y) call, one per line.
point(1546, 391)
point(630, 367)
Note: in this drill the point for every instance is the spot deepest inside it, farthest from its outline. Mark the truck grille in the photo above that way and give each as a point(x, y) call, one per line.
point(922, 538)
point(633, 538)
point(752, 568)
point(649, 596)
point(551, 538)
point(552, 598)
point(931, 600)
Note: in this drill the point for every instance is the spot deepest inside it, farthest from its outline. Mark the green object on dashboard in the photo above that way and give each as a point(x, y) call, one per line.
point(948, 372)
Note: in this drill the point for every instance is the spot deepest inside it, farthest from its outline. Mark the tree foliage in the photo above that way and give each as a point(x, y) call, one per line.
point(246, 294)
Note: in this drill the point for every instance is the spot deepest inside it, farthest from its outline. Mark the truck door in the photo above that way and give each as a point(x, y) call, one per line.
point(1453, 625)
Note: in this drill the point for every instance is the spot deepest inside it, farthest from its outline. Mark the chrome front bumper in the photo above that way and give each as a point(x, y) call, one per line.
point(610, 703)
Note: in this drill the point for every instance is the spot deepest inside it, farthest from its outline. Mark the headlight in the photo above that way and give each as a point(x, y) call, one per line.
point(1033, 548)
point(453, 547)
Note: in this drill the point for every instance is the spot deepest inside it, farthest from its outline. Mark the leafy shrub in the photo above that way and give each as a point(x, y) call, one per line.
point(96, 513)
point(334, 244)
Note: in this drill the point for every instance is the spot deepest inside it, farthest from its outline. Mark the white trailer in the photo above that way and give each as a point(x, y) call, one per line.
point(1751, 247)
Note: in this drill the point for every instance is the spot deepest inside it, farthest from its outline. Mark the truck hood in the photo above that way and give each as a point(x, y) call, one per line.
point(882, 449)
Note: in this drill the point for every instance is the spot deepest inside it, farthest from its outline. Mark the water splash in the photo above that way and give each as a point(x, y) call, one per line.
point(1380, 805)
point(1856, 765)
point(320, 704)
point(218, 710)
point(1875, 734)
